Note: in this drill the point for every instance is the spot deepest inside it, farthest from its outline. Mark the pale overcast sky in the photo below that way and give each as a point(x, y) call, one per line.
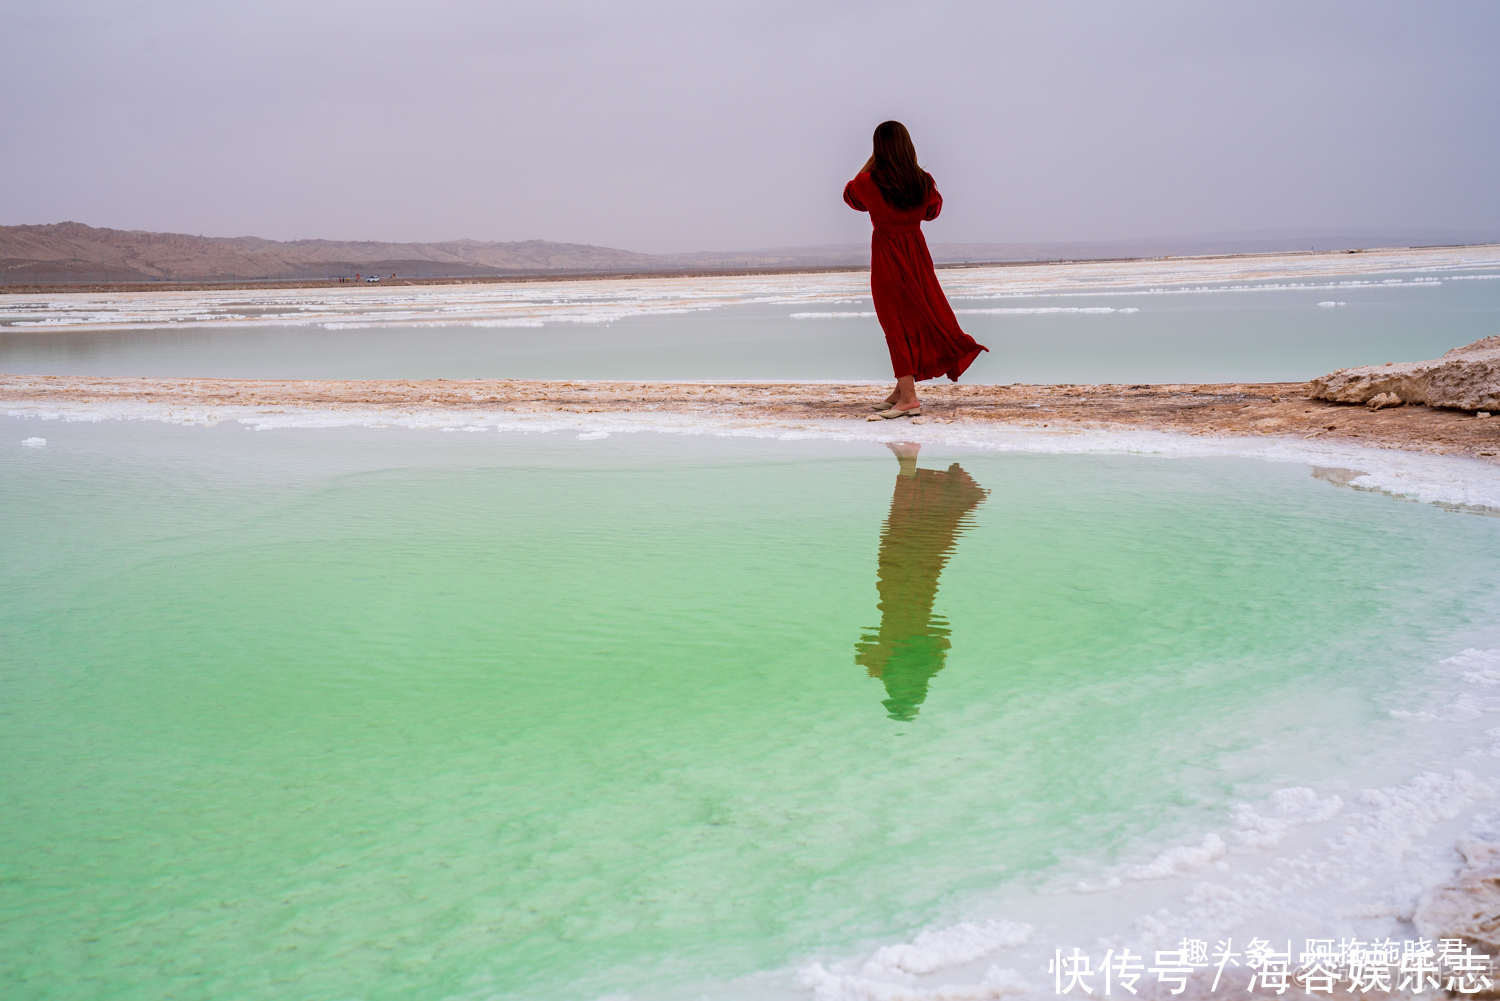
point(719, 126)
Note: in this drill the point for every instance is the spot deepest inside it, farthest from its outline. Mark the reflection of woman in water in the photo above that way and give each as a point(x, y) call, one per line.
point(929, 510)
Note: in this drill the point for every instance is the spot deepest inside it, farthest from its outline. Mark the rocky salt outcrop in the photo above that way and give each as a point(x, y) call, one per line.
point(1466, 378)
point(1468, 906)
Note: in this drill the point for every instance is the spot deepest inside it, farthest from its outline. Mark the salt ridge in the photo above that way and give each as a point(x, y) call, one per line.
point(1367, 874)
point(607, 300)
point(1435, 479)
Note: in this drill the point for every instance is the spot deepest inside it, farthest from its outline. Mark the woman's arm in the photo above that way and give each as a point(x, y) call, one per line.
point(851, 200)
point(934, 200)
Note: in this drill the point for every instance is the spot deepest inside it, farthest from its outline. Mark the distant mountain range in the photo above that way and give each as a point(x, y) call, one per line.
point(73, 252)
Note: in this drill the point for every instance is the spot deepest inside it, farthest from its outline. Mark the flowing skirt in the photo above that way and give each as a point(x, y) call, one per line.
point(920, 329)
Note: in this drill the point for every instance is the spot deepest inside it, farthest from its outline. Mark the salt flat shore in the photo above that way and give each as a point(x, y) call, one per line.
point(1276, 261)
point(1226, 409)
point(538, 302)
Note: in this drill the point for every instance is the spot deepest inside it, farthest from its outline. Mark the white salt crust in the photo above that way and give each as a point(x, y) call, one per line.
point(535, 304)
point(1296, 864)
point(1365, 871)
point(1454, 481)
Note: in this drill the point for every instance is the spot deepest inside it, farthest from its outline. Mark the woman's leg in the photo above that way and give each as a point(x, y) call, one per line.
point(905, 396)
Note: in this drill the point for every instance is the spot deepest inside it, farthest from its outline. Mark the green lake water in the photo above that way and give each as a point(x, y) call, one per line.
point(381, 714)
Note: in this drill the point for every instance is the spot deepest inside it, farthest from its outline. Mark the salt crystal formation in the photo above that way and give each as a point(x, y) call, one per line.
point(1466, 378)
point(1468, 906)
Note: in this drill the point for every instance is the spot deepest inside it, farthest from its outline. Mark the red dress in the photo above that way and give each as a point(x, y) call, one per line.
point(920, 328)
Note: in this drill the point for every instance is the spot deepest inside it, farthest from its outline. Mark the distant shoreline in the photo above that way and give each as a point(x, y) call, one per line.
point(522, 277)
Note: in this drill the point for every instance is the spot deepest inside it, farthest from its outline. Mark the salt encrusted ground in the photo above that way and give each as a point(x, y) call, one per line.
point(1261, 410)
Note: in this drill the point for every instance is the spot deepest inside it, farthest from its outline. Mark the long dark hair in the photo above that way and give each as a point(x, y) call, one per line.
point(896, 172)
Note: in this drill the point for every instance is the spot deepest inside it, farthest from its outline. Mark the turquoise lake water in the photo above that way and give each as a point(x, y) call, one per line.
point(380, 714)
point(1224, 331)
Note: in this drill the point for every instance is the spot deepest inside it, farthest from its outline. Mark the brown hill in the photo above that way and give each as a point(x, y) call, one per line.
point(70, 250)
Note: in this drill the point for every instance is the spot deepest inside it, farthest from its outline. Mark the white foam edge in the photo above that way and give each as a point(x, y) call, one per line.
point(1332, 869)
point(1474, 667)
point(355, 322)
point(1251, 285)
point(892, 972)
point(1052, 309)
point(95, 315)
point(1296, 863)
point(1454, 481)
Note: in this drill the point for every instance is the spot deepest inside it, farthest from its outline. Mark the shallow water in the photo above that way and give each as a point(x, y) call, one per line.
point(1039, 329)
point(389, 713)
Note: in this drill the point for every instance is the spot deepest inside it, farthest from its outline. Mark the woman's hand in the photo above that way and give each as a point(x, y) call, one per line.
point(869, 164)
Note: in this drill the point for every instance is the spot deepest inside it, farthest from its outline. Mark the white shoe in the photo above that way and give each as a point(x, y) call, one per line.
point(892, 413)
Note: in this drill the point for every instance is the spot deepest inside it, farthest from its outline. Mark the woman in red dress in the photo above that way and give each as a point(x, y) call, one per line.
point(920, 329)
